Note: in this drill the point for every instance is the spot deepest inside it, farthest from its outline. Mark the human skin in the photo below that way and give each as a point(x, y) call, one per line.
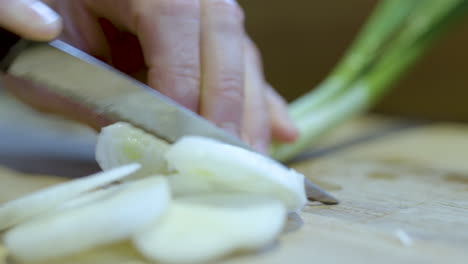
point(194, 51)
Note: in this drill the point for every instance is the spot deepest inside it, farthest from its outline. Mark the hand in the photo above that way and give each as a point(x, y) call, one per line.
point(194, 51)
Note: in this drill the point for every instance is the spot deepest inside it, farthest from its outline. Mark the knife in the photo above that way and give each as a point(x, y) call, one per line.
point(56, 77)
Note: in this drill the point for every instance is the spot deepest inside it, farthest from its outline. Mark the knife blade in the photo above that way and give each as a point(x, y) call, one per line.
point(57, 77)
point(70, 73)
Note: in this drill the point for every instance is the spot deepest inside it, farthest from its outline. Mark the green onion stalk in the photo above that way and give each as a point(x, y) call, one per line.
point(395, 36)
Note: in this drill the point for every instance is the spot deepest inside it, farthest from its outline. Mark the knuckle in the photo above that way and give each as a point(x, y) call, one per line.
point(181, 80)
point(188, 71)
point(231, 87)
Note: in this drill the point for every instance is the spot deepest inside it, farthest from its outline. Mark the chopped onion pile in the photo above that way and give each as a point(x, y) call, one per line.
point(194, 201)
point(108, 219)
point(202, 228)
point(26, 207)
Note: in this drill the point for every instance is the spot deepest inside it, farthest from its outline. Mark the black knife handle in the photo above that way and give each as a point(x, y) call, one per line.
point(10, 46)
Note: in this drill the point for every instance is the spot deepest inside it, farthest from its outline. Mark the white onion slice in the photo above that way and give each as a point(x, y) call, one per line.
point(205, 165)
point(203, 228)
point(89, 198)
point(111, 219)
point(21, 209)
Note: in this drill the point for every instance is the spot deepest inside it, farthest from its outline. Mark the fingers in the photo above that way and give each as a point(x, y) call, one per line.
point(30, 19)
point(282, 127)
point(256, 123)
point(195, 53)
point(182, 38)
point(81, 28)
point(169, 34)
point(222, 56)
point(266, 114)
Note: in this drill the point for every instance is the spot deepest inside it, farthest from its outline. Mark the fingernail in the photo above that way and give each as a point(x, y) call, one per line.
point(47, 15)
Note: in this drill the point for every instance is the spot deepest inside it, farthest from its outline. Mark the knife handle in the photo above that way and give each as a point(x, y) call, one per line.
point(10, 46)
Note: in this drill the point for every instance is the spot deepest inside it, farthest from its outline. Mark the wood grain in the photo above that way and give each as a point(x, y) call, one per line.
point(404, 200)
point(14, 184)
point(404, 183)
point(3, 255)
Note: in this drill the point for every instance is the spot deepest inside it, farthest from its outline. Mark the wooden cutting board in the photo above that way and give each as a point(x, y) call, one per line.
point(404, 199)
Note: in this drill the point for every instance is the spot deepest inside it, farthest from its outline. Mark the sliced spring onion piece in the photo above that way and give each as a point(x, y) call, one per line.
point(205, 165)
point(122, 143)
point(105, 221)
point(202, 228)
point(26, 207)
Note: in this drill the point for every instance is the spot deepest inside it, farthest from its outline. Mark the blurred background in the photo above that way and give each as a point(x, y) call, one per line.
point(301, 41)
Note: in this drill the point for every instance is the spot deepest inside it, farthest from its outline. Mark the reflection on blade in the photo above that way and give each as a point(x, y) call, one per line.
point(70, 73)
point(315, 193)
point(103, 94)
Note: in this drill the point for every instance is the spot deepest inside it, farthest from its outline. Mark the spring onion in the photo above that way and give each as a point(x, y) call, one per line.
point(396, 35)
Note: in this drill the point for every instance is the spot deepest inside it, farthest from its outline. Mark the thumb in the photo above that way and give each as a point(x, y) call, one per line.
point(31, 19)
